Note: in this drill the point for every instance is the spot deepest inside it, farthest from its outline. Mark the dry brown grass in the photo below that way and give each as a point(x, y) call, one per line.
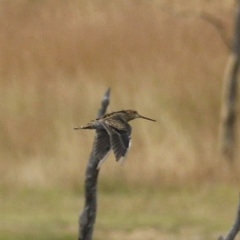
point(57, 59)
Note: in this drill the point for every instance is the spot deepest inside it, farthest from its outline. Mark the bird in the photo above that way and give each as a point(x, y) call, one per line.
point(114, 132)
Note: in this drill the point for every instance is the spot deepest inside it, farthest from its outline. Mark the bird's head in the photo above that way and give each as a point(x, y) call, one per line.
point(132, 114)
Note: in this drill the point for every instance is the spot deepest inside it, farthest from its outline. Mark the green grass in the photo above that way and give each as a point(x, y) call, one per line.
point(39, 214)
point(203, 211)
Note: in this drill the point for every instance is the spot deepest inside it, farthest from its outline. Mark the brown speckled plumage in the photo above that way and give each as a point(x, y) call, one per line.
point(115, 133)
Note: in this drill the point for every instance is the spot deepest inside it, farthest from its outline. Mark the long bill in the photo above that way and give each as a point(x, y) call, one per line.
point(147, 118)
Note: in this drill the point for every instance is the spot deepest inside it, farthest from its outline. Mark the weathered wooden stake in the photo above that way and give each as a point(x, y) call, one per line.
point(89, 212)
point(228, 115)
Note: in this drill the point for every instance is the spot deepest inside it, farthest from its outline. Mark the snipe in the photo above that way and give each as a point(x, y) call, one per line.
point(114, 133)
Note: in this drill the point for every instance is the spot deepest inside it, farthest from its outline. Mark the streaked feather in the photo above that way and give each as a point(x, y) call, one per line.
point(102, 146)
point(119, 138)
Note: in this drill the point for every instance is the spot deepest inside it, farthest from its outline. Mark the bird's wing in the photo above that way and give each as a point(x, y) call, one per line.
point(102, 146)
point(120, 138)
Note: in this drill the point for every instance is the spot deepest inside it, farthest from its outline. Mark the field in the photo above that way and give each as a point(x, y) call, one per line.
point(204, 212)
point(159, 58)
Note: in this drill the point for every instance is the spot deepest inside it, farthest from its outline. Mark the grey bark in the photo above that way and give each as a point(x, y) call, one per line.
point(228, 116)
point(89, 212)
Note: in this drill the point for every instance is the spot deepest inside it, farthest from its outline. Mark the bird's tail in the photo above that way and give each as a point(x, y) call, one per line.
point(90, 125)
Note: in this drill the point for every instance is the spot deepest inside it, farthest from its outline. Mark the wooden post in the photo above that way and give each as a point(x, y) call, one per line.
point(89, 212)
point(228, 115)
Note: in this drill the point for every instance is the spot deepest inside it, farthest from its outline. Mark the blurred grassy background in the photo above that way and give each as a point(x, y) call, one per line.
point(57, 59)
